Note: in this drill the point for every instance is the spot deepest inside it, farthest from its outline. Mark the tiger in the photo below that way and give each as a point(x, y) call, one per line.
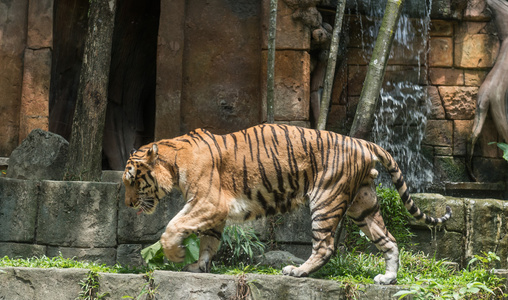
point(261, 171)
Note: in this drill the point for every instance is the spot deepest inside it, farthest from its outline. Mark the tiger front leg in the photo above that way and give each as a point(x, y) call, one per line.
point(365, 213)
point(209, 244)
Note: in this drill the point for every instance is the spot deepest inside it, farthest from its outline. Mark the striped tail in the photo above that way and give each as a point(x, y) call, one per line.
point(398, 180)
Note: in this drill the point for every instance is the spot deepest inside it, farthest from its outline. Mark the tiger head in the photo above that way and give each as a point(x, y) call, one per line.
point(142, 190)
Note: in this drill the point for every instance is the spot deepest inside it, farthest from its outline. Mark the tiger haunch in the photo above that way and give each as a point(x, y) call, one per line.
point(266, 170)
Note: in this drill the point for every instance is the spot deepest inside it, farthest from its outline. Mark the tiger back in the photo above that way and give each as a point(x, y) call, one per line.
point(262, 171)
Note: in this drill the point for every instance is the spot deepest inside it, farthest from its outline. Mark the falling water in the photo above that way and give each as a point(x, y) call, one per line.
point(400, 120)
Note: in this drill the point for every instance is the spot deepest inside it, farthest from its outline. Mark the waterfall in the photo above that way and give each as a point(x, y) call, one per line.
point(401, 117)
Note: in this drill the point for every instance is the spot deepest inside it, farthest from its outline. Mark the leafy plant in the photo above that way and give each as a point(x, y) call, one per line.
point(154, 254)
point(90, 287)
point(148, 289)
point(503, 147)
point(239, 245)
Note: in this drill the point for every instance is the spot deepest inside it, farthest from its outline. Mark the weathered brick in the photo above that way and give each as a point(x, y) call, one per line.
point(40, 24)
point(436, 110)
point(441, 28)
point(475, 48)
point(461, 133)
point(439, 133)
point(446, 76)
point(292, 85)
point(441, 52)
point(459, 102)
point(474, 77)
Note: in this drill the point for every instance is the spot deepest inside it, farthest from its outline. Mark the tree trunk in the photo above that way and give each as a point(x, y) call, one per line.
point(270, 70)
point(493, 92)
point(364, 115)
point(85, 153)
point(330, 67)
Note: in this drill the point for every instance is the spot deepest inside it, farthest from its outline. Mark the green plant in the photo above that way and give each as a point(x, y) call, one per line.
point(154, 254)
point(437, 281)
point(239, 245)
point(90, 287)
point(503, 147)
point(148, 288)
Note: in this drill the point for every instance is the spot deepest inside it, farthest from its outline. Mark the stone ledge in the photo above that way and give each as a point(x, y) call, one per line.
point(31, 283)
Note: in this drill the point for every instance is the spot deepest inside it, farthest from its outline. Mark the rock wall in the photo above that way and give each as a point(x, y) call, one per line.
point(89, 220)
point(28, 283)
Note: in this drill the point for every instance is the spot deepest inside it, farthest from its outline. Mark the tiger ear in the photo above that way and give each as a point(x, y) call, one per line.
point(152, 153)
point(133, 151)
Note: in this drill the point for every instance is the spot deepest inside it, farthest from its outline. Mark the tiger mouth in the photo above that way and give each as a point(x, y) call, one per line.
point(146, 206)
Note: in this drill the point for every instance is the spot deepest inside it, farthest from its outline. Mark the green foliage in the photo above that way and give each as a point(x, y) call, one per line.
point(56, 262)
point(154, 254)
point(396, 219)
point(239, 245)
point(148, 291)
point(89, 287)
point(503, 147)
point(431, 279)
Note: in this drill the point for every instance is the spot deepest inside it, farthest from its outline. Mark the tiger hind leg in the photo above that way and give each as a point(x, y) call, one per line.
point(324, 226)
point(208, 246)
point(365, 213)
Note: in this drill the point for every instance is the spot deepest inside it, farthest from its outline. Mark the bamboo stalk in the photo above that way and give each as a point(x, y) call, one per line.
point(330, 67)
point(271, 63)
point(376, 70)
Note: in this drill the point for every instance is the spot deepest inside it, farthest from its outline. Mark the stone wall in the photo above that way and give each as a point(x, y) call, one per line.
point(89, 220)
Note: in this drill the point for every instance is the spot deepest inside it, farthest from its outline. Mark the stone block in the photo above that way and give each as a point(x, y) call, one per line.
point(436, 110)
point(78, 214)
point(485, 226)
point(302, 251)
point(200, 286)
point(446, 76)
point(441, 28)
point(112, 176)
point(443, 151)
point(130, 255)
point(461, 133)
point(435, 206)
point(16, 250)
point(439, 133)
point(474, 77)
point(118, 286)
point(40, 24)
point(292, 85)
point(441, 52)
point(440, 244)
point(294, 227)
point(276, 287)
point(356, 77)
point(41, 284)
point(133, 228)
point(459, 102)
point(337, 119)
point(490, 169)
point(18, 210)
point(291, 33)
point(98, 255)
point(449, 168)
point(474, 46)
point(42, 155)
point(35, 91)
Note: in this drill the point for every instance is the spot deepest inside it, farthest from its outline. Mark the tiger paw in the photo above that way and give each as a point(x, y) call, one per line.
point(194, 268)
point(294, 271)
point(385, 279)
